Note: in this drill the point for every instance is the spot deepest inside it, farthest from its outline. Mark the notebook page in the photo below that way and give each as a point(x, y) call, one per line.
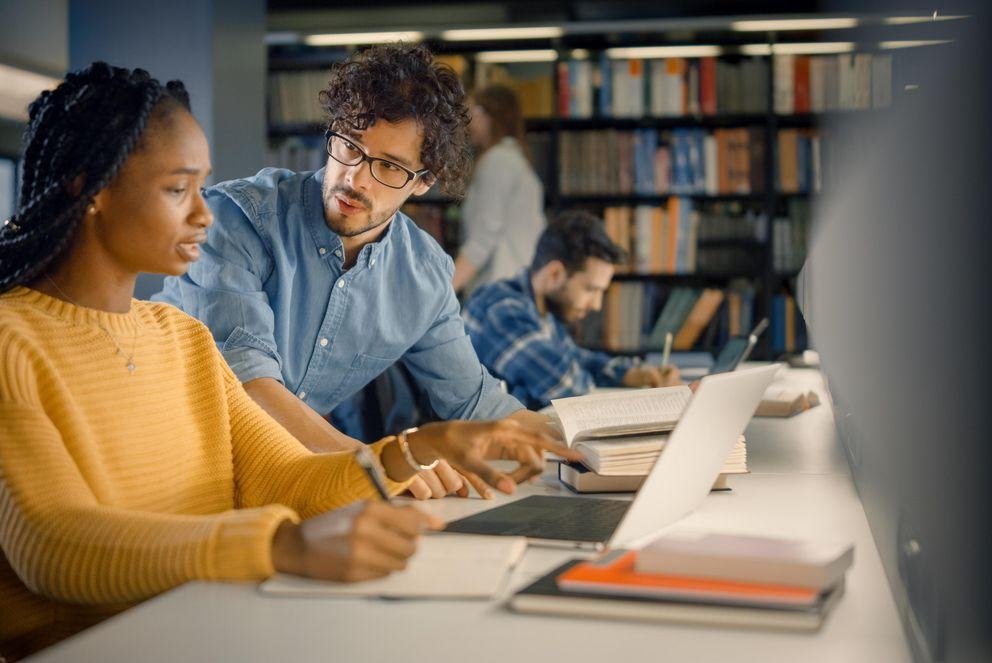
point(448, 566)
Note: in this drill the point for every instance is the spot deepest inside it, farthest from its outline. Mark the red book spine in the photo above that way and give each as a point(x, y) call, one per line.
point(563, 90)
point(707, 85)
point(800, 84)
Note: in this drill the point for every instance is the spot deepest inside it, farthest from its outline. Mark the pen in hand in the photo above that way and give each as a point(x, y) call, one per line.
point(666, 352)
point(366, 460)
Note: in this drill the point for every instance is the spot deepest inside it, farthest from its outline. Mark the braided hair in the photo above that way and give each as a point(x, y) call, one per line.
point(82, 131)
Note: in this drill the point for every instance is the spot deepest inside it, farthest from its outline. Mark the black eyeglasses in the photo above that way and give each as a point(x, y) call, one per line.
point(385, 172)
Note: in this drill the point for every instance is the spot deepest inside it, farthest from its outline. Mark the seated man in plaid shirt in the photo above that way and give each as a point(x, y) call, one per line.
point(519, 326)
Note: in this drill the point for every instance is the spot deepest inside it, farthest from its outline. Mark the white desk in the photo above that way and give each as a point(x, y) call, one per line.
point(799, 486)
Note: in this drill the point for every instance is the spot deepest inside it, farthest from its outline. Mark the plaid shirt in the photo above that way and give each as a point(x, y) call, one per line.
point(534, 354)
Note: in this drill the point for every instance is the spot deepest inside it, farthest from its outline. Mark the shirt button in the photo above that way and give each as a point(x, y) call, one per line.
point(338, 253)
point(323, 342)
point(372, 262)
point(322, 250)
point(302, 394)
point(341, 283)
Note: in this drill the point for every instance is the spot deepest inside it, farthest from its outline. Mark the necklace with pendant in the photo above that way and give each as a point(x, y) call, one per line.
point(129, 358)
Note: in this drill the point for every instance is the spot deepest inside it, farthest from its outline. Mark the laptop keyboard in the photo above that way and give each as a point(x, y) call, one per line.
point(548, 517)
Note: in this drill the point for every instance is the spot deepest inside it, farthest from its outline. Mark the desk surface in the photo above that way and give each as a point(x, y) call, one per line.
point(799, 486)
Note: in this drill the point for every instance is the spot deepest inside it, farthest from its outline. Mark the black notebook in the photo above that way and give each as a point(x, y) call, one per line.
point(544, 597)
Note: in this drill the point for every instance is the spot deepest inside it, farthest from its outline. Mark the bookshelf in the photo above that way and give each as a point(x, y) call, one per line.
point(613, 135)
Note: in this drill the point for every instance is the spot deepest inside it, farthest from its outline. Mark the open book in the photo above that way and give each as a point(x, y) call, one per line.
point(449, 566)
point(629, 412)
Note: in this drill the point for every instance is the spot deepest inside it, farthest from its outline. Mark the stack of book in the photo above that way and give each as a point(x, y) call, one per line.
point(694, 577)
point(622, 434)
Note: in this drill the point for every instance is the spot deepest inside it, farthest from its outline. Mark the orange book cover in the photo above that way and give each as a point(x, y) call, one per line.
point(723, 160)
point(657, 240)
point(617, 576)
point(699, 317)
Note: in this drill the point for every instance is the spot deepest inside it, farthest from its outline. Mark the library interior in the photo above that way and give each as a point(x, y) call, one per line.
point(492, 329)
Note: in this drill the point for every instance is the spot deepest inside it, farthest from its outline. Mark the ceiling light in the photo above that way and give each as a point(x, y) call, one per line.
point(663, 52)
point(19, 88)
point(483, 34)
point(887, 45)
point(355, 38)
point(793, 24)
point(907, 20)
point(279, 38)
point(799, 48)
point(541, 55)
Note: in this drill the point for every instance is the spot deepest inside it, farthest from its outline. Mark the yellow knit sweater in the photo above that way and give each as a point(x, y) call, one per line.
point(115, 486)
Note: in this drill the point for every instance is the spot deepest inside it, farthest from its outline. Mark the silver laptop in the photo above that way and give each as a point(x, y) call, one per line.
point(679, 480)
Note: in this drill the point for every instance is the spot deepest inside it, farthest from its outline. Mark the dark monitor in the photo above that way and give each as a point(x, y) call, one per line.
point(896, 293)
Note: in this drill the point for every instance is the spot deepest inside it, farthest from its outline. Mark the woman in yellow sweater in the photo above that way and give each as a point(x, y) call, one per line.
point(131, 459)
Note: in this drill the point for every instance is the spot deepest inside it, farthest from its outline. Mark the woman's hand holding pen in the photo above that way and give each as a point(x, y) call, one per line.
point(359, 542)
point(466, 445)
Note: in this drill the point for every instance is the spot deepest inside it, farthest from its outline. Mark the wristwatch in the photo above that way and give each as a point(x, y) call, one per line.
point(405, 448)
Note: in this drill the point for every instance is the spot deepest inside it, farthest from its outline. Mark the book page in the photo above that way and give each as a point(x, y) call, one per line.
point(621, 413)
point(450, 566)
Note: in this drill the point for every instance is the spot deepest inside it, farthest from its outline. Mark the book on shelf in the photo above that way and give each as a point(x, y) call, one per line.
point(747, 558)
point(626, 412)
point(683, 161)
point(636, 315)
point(788, 332)
point(664, 87)
point(820, 83)
point(544, 596)
point(698, 318)
point(619, 573)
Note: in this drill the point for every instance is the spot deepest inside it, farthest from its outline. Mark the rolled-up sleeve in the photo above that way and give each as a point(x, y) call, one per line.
point(224, 290)
point(445, 363)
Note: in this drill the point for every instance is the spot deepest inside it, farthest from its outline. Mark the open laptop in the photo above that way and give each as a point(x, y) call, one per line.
point(679, 480)
point(733, 353)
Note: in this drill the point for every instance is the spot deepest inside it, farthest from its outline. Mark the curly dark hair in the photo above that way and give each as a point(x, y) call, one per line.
point(574, 236)
point(77, 138)
point(395, 82)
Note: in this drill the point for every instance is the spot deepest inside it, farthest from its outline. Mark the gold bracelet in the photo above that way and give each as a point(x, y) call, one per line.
point(405, 448)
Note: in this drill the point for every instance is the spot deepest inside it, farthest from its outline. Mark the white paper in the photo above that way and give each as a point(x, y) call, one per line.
point(450, 566)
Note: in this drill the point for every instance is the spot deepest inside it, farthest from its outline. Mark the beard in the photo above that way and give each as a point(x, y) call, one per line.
point(556, 307)
point(345, 226)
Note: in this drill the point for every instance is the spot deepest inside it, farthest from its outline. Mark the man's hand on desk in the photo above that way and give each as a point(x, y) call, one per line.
point(440, 482)
point(646, 375)
point(466, 445)
point(359, 542)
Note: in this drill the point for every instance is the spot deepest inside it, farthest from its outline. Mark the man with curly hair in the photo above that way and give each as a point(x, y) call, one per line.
point(314, 283)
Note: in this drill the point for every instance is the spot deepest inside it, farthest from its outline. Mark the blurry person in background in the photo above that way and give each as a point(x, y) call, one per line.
point(502, 215)
point(519, 326)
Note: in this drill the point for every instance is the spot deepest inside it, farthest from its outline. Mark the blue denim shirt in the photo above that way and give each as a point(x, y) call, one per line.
point(271, 287)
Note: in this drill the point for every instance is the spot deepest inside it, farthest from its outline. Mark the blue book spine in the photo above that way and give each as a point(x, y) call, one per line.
point(606, 86)
point(698, 138)
point(778, 323)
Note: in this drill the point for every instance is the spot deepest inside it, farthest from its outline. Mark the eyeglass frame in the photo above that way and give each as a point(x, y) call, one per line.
point(410, 174)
